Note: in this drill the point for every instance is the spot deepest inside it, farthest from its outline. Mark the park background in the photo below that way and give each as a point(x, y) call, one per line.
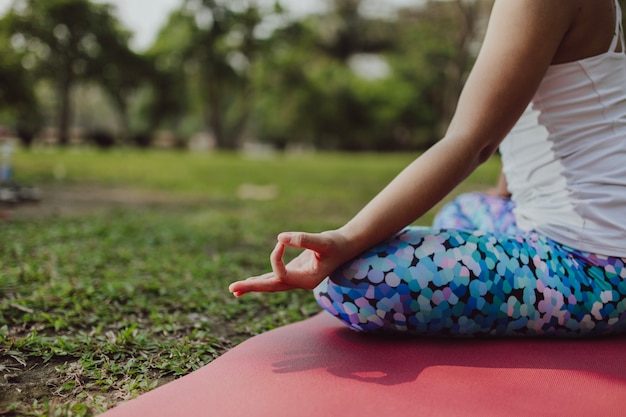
point(164, 171)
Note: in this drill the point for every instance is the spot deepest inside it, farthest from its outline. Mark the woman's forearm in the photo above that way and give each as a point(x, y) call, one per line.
point(412, 193)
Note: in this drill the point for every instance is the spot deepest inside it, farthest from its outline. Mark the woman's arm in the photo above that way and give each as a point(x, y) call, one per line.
point(521, 41)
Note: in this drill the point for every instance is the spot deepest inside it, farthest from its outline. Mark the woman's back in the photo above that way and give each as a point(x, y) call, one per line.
point(565, 160)
point(591, 31)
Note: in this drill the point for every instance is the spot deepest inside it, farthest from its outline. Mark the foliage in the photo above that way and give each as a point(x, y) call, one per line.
point(121, 73)
point(347, 32)
point(211, 62)
point(309, 91)
point(170, 99)
point(17, 96)
point(238, 70)
point(297, 84)
point(67, 41)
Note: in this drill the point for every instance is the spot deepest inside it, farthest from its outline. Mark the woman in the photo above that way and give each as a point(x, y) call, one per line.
point(549, 89)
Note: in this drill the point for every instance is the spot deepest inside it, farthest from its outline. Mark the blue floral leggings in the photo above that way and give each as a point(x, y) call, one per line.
point(474, 273)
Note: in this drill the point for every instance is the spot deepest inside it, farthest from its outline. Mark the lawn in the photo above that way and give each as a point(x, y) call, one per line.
point(108, 300)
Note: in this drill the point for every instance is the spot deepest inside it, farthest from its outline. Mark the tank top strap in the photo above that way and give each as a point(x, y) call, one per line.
point(619, 31)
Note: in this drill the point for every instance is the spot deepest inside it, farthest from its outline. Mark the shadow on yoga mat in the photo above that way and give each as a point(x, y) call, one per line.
point(318, 367)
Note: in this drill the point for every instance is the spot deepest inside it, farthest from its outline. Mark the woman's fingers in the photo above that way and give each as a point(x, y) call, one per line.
point(270, 282)
point(262, 283)
point(313, 241)
point(276, 260)
point(303, 272)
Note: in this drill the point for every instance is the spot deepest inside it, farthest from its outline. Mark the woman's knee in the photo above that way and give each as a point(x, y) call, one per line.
point(348, 305)
point(368, 293)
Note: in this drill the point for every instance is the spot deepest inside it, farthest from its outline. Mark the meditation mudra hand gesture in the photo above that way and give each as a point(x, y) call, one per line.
point(549, 90)
point(321, 255)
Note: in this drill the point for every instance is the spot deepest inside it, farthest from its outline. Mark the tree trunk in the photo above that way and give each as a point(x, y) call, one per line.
point(124, 121)
point(215, 122)
point(222, 132)
point(64, 92)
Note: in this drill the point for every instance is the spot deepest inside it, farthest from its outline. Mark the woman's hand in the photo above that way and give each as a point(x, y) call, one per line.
point(322, 254)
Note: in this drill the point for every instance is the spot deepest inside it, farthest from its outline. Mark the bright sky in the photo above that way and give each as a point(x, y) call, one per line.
point(145, 17)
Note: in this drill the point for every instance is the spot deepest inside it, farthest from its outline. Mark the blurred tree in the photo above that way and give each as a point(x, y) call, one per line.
point(435, 48)
point(210, 65)
point(168, 101)
point(224, 49)
point(345, 32)
point(461, 24)
point(120, 72)
point(308, 92)
point(317, 84)
point(285, 109)
point(17, 96)
point(66, 41)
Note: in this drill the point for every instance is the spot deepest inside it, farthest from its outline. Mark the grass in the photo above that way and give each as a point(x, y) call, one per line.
point(99, 307)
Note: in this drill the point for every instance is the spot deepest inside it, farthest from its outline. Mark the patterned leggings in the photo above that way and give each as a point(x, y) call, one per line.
point(474, 273)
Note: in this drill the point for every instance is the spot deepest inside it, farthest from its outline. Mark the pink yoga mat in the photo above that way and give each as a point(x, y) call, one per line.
point(318, 368)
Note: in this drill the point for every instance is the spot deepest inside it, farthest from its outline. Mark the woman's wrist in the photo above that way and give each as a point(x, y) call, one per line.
point(359, 239)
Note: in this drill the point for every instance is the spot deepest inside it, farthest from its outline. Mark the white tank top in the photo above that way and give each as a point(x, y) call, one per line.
point(565, 160)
